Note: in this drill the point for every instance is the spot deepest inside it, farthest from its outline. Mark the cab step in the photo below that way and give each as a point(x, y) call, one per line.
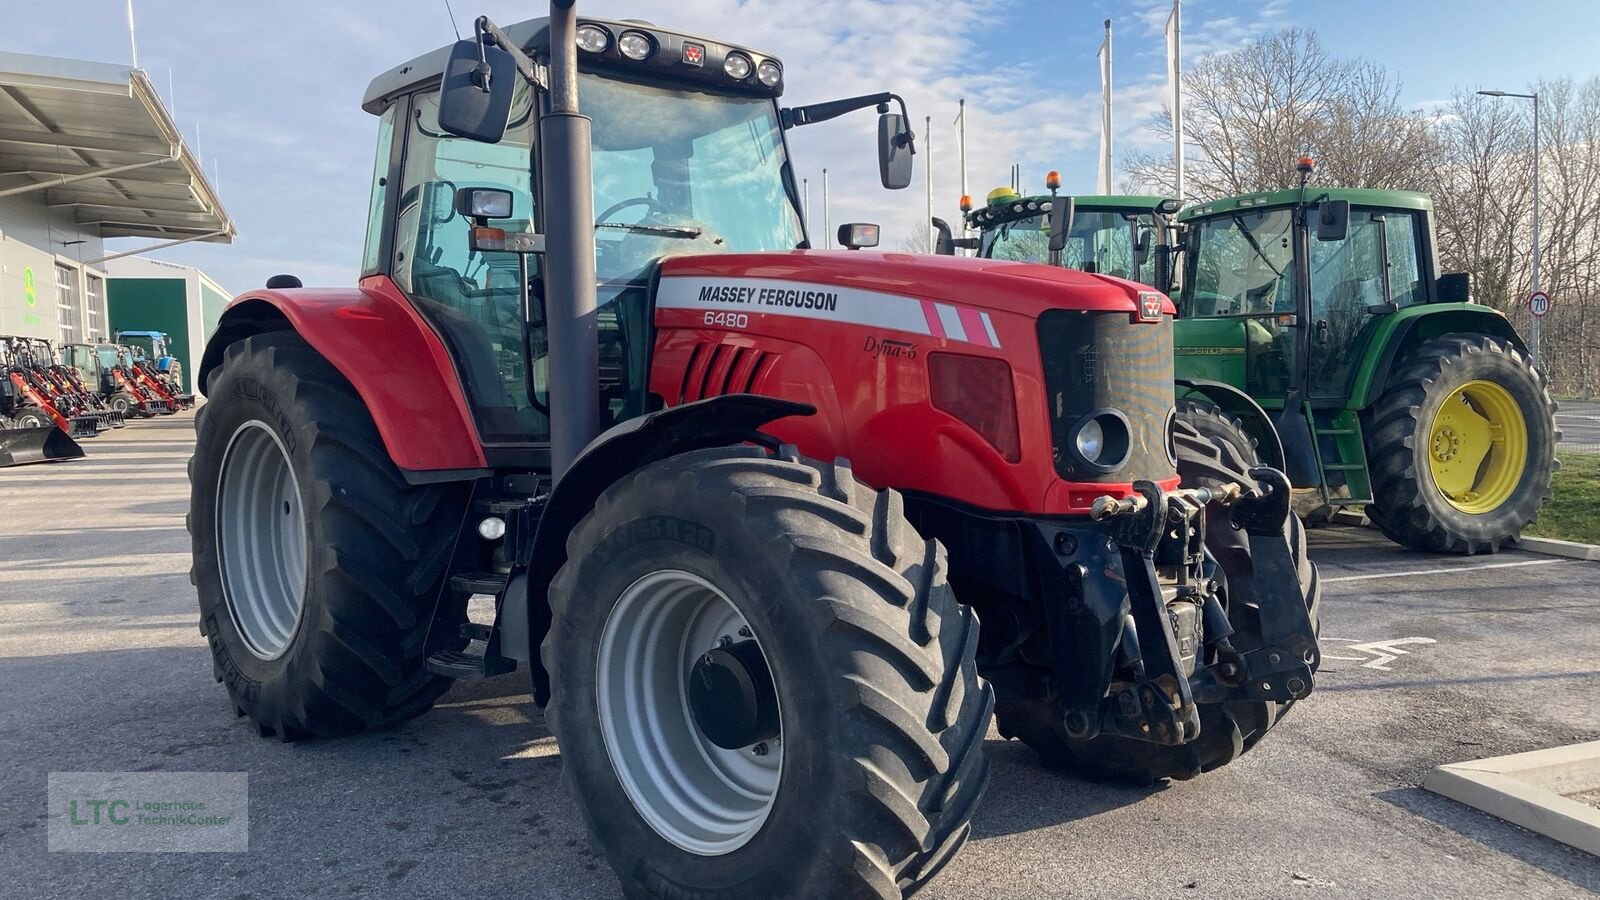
point(468, 666)
point(490, 583)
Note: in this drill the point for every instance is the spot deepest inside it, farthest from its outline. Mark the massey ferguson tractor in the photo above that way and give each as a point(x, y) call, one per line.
point(741, 505)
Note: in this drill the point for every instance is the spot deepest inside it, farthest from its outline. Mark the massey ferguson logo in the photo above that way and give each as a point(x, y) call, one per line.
point(1150, 306)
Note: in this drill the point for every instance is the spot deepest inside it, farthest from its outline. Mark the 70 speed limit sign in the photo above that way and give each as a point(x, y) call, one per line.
point(1539, 303)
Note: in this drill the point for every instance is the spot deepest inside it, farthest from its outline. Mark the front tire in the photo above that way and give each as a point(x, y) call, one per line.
point(1461, 446)
point(1223, 454)
point(316, 564)
point(880, 712)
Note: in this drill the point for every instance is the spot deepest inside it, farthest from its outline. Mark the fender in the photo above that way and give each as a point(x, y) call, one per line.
point(1413, 324)
point(625, 447)
point(388, 353)
point(1242, 406)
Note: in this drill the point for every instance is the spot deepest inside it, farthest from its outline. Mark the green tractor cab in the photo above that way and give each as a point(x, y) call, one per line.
point(1122, 236)
point(1388, 387)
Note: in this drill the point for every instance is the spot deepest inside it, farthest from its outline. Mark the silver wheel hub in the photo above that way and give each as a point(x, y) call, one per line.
point(261, 539)
point(701, 797)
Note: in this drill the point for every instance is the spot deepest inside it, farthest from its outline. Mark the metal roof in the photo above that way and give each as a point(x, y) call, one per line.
point(95, 138)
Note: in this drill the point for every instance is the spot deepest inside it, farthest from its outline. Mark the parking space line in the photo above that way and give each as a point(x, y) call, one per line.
point(1446, 571)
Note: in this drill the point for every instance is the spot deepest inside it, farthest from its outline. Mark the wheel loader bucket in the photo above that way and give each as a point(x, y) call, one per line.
point(20, 446)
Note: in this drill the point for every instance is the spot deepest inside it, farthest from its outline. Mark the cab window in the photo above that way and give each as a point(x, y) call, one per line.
point(473, 298)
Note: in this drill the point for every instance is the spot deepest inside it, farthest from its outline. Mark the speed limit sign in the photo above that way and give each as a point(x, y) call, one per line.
point(1539, 303)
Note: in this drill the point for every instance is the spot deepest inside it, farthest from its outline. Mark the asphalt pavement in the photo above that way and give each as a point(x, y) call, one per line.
point(1429, 660)
point(1579, 421)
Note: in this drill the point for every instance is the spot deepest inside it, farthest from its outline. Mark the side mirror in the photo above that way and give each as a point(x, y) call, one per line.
point(1141, 247)
point(1454, 287)
point(476, 91)
point(484, 203)
point(894, 151)
point(1061, 209)
point(1333, 220)
point(945, 242)
point(856, 235)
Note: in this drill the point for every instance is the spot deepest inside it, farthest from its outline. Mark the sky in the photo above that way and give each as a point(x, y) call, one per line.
point(269, 92)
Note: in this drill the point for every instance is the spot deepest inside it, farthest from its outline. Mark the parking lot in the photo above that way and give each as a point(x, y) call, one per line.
point(1429, 660)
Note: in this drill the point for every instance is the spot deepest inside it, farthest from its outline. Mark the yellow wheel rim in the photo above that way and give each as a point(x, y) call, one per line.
point(1477, 447)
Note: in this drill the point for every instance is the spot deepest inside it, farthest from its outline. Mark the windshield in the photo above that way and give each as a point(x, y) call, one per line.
point(1104, 238)
point(1244, 265)
point(680, 171)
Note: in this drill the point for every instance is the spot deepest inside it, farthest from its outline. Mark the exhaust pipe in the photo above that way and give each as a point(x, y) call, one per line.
point(568, 215)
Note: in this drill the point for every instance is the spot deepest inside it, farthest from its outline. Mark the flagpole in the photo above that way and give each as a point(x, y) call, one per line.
point(805, 207)
point(133, 43)
point(1105, 113)
point(827, 234)
point(961, 121)
point(1175, 76)
point(927, 163)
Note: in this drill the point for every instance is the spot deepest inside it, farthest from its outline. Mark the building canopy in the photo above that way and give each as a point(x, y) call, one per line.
point(96, 139)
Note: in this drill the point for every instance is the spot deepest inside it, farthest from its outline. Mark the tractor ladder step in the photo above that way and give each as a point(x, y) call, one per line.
point(468, 666)
point(490, 583)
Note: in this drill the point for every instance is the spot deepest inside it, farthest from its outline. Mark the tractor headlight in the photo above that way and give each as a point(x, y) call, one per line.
point(635, 45)
point(1101, 440)
point(737, 65)
point(593, 38)
point(769, 73)
point(1090, 439)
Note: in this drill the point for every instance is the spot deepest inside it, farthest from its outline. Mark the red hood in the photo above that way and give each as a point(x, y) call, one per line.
point(1001, 285)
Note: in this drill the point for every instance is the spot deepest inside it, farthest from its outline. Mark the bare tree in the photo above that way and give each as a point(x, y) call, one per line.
point(1251, 112)
point(1481, 186)
point(917, 240)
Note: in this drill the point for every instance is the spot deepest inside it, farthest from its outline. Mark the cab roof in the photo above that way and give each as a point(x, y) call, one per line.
point(1006, 211)
point(1411, 200)
point(533, 36)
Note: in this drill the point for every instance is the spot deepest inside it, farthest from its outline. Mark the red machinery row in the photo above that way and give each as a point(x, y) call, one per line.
point(49, 400)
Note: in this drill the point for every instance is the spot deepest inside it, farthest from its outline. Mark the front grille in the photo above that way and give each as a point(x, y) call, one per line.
point(1104, 360)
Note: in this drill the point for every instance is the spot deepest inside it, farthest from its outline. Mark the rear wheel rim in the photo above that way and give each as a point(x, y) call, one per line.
point(261, 540)
point(1477, 447)
point(700, 797)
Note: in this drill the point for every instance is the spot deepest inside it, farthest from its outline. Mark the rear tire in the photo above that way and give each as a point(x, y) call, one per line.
point(349, 654)
point(1227, 730)
point(872, 660)
point(1411, 508)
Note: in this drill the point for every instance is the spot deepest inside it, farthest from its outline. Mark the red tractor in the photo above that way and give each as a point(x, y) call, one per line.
point(740, 504)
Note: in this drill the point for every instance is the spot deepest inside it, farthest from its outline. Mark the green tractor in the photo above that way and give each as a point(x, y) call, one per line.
point(1380, 383)
point(1122, 236)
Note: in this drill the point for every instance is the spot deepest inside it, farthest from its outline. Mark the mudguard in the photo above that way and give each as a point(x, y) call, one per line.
point(388, 353)
point(1236, 403)
point(628, 446)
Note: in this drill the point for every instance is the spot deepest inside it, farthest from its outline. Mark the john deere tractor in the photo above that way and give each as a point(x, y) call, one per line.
point(1123, 236)
point(1387, 386)
point(740, 504)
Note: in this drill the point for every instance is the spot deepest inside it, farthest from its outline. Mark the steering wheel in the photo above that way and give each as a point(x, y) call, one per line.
point(654, 204)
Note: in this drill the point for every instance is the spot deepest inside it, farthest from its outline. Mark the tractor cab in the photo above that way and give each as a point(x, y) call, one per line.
point(1123, 236)
point(688, 156)
point(92, 366)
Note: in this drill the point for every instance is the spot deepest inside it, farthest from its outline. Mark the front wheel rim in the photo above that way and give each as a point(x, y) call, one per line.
point(700, 797)
point(1477, 447)
point(261, 540)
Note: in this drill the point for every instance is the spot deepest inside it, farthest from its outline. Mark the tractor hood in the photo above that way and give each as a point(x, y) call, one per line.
point(999, 285)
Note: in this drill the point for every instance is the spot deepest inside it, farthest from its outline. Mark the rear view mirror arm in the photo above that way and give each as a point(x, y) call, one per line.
point(526, 67)
point(795, 116)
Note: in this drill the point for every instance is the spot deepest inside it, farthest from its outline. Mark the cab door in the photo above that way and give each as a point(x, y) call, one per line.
point(1375, 271)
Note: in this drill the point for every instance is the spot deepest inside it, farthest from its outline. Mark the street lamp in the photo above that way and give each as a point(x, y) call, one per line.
point(1535, 98)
